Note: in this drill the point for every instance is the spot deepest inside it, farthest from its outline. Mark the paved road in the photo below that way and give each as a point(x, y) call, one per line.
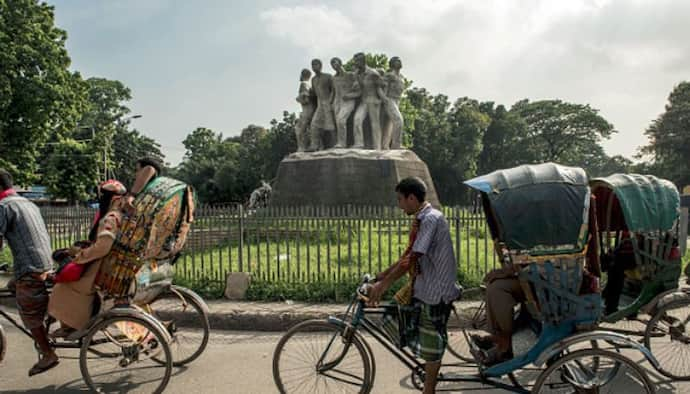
point(235, 362)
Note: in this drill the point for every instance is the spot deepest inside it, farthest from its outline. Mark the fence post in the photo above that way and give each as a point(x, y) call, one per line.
point(458, 252)
point(240, 253)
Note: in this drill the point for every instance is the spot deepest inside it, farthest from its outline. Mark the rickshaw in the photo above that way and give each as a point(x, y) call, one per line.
point(642, 211)
point(540, 213)
point(125, 348)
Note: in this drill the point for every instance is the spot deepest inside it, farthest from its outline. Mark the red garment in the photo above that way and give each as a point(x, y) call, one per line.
point(71, 272)
point(6, 193)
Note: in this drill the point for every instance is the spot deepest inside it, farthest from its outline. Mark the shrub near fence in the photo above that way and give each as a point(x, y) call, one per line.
point(302, 245)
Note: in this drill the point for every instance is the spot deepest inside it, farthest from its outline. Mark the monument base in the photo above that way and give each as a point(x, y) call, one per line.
point(337, 177)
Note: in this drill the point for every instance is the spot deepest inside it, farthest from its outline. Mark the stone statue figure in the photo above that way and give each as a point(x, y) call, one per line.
point(370, 83)
point(346, 94)
point(323, 121)
point(305, 97)
point(393, 124)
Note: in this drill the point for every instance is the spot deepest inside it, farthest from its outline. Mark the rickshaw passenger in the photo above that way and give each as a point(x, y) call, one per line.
point(617, 262)
point(72, 302)
point(147, 169)
point(504, 292)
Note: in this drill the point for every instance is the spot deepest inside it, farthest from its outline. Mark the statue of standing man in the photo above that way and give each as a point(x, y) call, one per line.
point(370, 83)
point(346, 94)
point(323, 121)
point(305, 97)
point(395, 85)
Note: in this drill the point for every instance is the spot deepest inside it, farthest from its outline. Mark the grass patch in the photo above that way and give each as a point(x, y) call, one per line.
point(322, 255)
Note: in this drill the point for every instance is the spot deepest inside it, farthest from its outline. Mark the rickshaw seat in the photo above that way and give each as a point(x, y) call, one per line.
point(552, 290)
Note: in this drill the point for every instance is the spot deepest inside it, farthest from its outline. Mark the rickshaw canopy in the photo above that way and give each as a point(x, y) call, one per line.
point(646, 202)
point(537, 209)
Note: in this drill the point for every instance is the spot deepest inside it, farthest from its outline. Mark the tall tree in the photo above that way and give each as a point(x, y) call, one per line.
point(449, 139)
point(503, 141)
point(39, 95)
point(669, 138)
point(556, 129)
point(72, 171)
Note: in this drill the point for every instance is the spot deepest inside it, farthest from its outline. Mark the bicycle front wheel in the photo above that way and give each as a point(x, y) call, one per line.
point(125, 354)
point(317, 356)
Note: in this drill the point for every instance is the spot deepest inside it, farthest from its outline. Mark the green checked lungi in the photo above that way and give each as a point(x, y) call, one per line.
point(423, 328)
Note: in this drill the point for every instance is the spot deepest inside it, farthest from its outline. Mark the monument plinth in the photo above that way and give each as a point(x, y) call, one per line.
point(337, 177)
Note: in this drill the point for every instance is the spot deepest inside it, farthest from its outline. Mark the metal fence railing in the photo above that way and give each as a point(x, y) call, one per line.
point(301, 244)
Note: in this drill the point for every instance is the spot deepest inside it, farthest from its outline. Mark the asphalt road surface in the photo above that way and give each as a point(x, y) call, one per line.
point(234, 362)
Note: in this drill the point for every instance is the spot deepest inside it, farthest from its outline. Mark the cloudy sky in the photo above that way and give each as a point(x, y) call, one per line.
point(227, 64)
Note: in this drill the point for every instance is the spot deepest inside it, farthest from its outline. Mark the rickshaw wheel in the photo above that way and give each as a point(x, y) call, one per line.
point(589, 370)
point(175, 308)
point(3, 344)
point(667, 336)
point(461, 323)
point(123, 353)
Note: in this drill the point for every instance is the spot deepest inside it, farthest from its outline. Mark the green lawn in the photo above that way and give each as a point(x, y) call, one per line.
point(324, 254)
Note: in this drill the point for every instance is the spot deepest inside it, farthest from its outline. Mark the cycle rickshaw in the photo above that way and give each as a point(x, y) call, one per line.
point(126, 347)
point(642, 211)
point(540, 213)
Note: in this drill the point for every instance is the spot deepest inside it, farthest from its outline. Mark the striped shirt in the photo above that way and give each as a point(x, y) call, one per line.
point(21, 224)
point(436, 281)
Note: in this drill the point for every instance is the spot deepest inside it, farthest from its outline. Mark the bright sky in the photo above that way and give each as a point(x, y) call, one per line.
point(227, 64)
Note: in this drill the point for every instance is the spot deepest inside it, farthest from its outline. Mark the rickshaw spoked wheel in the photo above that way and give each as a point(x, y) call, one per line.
point(667, 336)
point(123, 353)
point(589, 370)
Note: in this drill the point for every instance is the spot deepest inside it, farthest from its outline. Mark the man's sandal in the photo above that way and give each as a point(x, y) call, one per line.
point(493, 356)
point(38, 368)
point(483, 343)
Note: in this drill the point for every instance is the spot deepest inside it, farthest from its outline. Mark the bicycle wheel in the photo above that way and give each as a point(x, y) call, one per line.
point(461, 324)
point(3, 343)
point(119, 355)
point(593, 371)
point(321, 357)
point(181, 311)
point(667, 336)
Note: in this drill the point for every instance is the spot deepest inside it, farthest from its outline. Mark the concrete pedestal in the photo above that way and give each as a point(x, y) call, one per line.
point(338, 177)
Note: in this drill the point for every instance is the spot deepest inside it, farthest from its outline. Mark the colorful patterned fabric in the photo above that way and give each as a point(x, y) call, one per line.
point(424, 329)
point(113, 186)
point(156, 230)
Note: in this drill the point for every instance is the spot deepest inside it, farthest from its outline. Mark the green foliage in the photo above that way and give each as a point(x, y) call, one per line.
point(128, 146)
point(501, 146)
point(226, 170)
point(72, 169)
point(39, 95)
point(669, 138)
point(558, 131)
point(205, 287)
point(449, 139)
